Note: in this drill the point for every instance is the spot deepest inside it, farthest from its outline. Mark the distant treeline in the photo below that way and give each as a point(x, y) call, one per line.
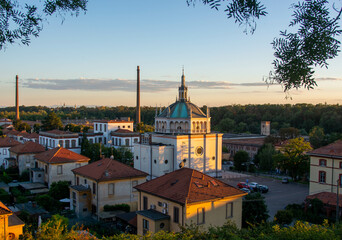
point(232, 118)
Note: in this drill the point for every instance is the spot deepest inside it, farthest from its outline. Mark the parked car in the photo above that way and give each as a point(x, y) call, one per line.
point(285, 180)
point(246, 190)
point(255, 187)
point(242, 185)
point(262, 188)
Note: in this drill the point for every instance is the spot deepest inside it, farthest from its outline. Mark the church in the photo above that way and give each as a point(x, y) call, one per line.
point(182, 138)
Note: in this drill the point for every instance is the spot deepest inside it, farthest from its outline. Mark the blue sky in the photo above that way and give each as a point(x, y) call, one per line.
point(91, 59)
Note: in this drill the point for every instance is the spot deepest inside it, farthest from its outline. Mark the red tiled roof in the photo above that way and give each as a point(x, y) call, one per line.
point(58, 132)
point(8, 142)
point(246, 141)
point(4, 210)
point(108, 169)
point(188, 186)
point(60, 155)
point(331, 150)
point(327, 198)
point(124, 132)
point(28, 147)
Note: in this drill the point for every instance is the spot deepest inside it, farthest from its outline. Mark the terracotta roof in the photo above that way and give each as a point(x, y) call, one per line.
point(246, 141)
point(124, 132)
point(327, 198)
point(187, 185)
point(4, 209)
point(28, 147)
point(108, 169)
point(8, 142)
point(60, 155)
point(58, 133)
point(331, 150)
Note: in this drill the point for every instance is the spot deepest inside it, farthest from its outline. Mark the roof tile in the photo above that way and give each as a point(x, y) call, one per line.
point(28, 147)
point(60, 155)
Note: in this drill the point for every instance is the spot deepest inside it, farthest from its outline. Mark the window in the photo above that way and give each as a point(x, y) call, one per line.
point(135, 140)
point(340, 180)
point(67, 143)
point(129, 126)
point(123, 126)
point(145, 203)
point(116, 141)
point(134, 183)
point(100, 127)
point(340, 164)
point(96, 126)
point(61, 143)
point(50, 142)
point(200, 216)
point(119, 141)
point(59, 169)
point(85, 181)
point(94, 188)
point(53, 143)
point(110, 188)
point(176, 214)
point(146, 224)
point(323, 162)
point(229, 210)
point(5, 151)
point(74, 198)
point(73, 143)
point(85, 209)
point(46, 169)
point(322, 176)
point(77, 181)
point(127, 142)
point(104, 128)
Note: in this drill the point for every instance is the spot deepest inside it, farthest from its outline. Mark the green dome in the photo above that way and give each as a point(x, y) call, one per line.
point(181, 109)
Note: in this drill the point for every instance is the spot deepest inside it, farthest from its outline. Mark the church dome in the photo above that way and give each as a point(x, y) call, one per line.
point(182, 109)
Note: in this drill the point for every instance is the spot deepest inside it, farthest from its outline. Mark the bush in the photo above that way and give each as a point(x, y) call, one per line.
point(283, 217)
point(123, 207)
point(4, 196)
point(25, 176)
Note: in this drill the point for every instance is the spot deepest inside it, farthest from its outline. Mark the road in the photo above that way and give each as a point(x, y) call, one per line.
point(279, 195)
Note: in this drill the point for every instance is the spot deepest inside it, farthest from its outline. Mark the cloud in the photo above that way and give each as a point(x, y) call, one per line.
point(328, 79)
point(147, 85)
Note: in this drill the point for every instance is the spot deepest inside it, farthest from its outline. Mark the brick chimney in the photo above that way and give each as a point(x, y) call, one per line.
point(138, 96)
point(17, 97)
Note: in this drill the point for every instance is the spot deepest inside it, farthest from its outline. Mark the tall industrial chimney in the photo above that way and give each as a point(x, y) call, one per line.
point(17, 97)
point(138, 96)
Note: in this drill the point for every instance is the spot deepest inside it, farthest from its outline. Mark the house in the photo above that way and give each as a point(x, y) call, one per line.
point(107, 126)
point(5, 144)
point(187, 196)
point(22, 155)
point(104, 182)
point(56, 165)
point(250, 144)
point(182, 138)
point(57, 138)
point(329, 201)
point(33, 137)
point(11, 225)
point(326, 168)
point(124, 138)
point(5, 121)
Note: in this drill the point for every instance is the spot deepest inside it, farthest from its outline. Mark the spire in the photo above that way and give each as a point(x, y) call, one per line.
point(183, 90)
point(156, 110)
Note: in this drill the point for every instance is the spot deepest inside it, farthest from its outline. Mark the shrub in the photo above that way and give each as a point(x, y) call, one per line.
point(4, 196)
point(283, 217)
point(123, 207)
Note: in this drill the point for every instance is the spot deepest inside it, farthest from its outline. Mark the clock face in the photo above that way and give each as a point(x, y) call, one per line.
point(199, 151)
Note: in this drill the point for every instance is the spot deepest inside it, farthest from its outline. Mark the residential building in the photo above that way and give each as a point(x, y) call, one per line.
point(326, 168)
point(11, 225)
point(104, 182)
point(33, 137)
point(182, 138)
point(5, 144)
point(250, 144)
point(107, 126)
point(329, 201)
point(56, 165)
point(57, 138)
point(124, 138)
point(5, 121)
point(187, 196)
point(22, 155)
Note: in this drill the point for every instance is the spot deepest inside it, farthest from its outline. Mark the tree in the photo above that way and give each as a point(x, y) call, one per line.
point(288, 133)
point(51, 122)
point(141, 127)
point(293, 157)
point(20, 23)
point(36, 127)
point(59, 190)
point(241, 159)
point(21, 126)
point(317, 137)
point(265, 157)
point(254, 209)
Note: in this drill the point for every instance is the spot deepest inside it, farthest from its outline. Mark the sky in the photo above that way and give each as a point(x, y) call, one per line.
point(92, 59)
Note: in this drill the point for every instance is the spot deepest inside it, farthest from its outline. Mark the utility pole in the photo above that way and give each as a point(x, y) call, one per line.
point(337, 202)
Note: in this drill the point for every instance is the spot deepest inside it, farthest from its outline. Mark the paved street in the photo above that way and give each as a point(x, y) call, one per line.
point(279, 195)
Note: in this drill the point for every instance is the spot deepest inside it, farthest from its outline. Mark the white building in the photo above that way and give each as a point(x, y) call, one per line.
point(56, 138)
point(5, 144)
point(182, 138)
point(107, 126)
point(124, 138)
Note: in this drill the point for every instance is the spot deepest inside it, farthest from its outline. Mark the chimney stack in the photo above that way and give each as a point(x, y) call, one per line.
point(17, 97)
point(138, 96)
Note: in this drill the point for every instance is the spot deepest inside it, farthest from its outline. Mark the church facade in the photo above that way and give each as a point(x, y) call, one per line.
point(182, 138)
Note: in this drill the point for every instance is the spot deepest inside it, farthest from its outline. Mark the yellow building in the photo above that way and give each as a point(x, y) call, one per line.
point(326, 168)
point(104, 182)
point(11, 227)
point(187, 196)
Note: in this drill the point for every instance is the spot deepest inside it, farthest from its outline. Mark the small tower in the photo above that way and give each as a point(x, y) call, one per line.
point(265, 128)
point(183, 90)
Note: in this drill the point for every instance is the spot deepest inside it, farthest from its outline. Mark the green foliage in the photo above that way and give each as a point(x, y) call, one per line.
point(59, 190)
point(225, 149)
point(51, 122)
point(254, 209)
point(142, 128)
point(317, 137)
point(21, 126)
point(265, 157)
point(5, 178)
point(283, 217)
point(293, 158)
point(47, 202)
point(241, 159)
point(123, 207)
point(25, 176)
point(4, 196)
point(288, 133)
